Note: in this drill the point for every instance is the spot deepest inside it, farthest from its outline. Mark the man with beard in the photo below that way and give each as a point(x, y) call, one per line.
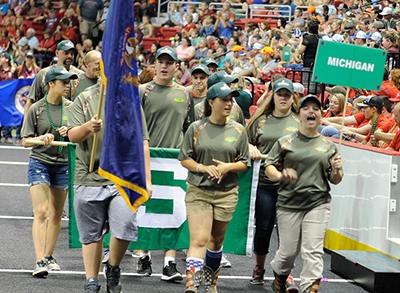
point(90, 77)
point(65, 53)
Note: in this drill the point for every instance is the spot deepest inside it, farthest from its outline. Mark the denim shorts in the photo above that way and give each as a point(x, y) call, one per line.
point(55, 176)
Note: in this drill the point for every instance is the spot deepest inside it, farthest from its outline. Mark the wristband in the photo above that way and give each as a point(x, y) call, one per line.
point(353, 135)
point(198, 166)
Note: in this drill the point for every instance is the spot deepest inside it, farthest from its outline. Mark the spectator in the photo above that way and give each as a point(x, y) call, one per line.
point(207, 29)
point(141, 60)
point(298, 20)
point(51, 21)
point(5, 40)
point(188, 26)
point(235, 64)
point(201, 51)
point(226, 7)
point(61, 11)
point(147, 75)
point(394, 77)
point(30, 40)
point(204, 11)
point(221, 56)
point(286, 10)
point(3, 9)
point(199, 78)
point(337, 102)
point(28, 69)
point(103, 19)
point(191, 10)
point(31, 11)
point(46, 48)
point(185, 51)
point(281, 24)
point(19, 24)
point(388, 89)
point(91, 75)
point(350, 29)
point(267, 63)
point(390, 42)
point(89, 14)
point(66, 32)
point(210, 63)
point(47, 6)
point(254, 53)
point(388, 20)
point(360, 39)
point(224, 25)
point(17, 7)
point(147, 27)
point(395, 144)
point(185, 78)
point(195, 37)
point(176, 40)
point(173, 17)
point(238, 32)
point(145, 8)
point(73, 20)
point(153, 51)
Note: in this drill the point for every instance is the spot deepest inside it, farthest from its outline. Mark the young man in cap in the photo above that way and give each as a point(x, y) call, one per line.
point(211, 64)
point(238, 32)
point(350, 29)
point(65, 53)
point(168, 110)
point(99, 207)
point(395, 144)
point(387, 18)
point(372, 107)
point(254, 54)
point(199, 78)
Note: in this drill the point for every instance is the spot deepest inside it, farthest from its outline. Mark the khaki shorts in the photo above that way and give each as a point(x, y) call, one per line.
point(221, 203)
point(87, 28)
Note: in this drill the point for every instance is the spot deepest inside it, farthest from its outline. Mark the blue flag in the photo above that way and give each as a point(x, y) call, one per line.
point(122, 159)
point(12, 101)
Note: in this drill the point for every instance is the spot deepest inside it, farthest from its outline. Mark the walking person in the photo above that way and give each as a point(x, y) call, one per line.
point(276, 118)
point(214, 150)
point(304, 163)
point(48, 166)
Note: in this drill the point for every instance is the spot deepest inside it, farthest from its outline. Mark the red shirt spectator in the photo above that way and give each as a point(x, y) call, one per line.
point(388, 89)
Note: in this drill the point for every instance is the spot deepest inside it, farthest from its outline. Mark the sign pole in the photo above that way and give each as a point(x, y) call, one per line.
point(344, 117)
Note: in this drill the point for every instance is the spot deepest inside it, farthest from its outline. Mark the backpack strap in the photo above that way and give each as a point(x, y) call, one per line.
point(149, 87)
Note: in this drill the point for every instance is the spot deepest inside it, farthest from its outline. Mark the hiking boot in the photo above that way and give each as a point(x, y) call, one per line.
point(144, 266)
point(258, 276)
point(290, 285)
point(210, 279)
point(51, 263)
point(279, 284)
point(113, 274)
point(193, 281)
point(40, 270)
point(225, 263)
point(313, 288)
point(170, 273)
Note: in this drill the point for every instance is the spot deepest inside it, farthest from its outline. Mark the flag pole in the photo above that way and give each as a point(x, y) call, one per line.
point(41, 142)
point(96, 135)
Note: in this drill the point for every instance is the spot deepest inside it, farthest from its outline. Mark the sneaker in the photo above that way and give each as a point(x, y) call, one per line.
point(225, 263)
point(290, 285)
point(40, 269)
point(106, 255)
point(51, 263)
point(9, 140)
point(144, 266)
point(113, 275)
point(92, 286)
point(135, 253)
point(258, 276)
point(170, 273)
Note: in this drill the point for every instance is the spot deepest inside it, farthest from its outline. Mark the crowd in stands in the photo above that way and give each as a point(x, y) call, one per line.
point(30, 32)
point(264, 49)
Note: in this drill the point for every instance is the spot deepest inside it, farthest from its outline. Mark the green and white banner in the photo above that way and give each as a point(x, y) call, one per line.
point(162, 219)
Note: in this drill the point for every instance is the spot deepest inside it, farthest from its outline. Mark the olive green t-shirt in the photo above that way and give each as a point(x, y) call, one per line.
point(310, 157)
point(81, 84)
point(83, 109)
point(205, 141)
point(264, 132)
point(39, 89)
point(196, 100)
point(168, 111)
point(38, 123)
point(236, 113)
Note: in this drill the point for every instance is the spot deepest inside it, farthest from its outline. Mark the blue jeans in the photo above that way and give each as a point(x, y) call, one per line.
point(330, 131)
point(265, 215)
point(55, 176)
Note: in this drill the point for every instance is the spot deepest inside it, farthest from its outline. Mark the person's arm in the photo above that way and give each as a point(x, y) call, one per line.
point(287, 175)
point(191, 54)
point(348, 120)
point(78, 13)
point(216, 24)
point(195, 167)
point(385, 137)
point(283, 36)
point(99, 15)
point(80, 133)
point(255, 69)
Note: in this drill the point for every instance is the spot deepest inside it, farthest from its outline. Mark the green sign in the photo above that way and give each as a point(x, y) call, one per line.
point(286, 53)
point(349, 65)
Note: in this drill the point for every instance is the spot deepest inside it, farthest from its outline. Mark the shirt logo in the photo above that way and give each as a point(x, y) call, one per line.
point(283, 82)
point(179, 100)
point(231, 116)
point(65, 118)
point(166, 50)
point(230, 139)
point(224, 88)
point(291, 128)
point(323, 150)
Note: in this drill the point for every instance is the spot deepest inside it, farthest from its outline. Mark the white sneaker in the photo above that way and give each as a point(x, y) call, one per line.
point(225, 263)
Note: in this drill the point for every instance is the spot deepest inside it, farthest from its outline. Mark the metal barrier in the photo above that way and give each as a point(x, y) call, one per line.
point(269, 11)
point(218, 6)
point(392, 60)
point(305, 78)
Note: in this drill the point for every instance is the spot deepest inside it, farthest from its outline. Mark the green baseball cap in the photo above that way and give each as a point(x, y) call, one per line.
point(202, 68)
point(220, 90)
point(220, 76)
point(209, 61)
point(6, 55)
point(65, 45)
point(283, 83)
point(59, 72)
point(312, 98)
point(171, 52)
